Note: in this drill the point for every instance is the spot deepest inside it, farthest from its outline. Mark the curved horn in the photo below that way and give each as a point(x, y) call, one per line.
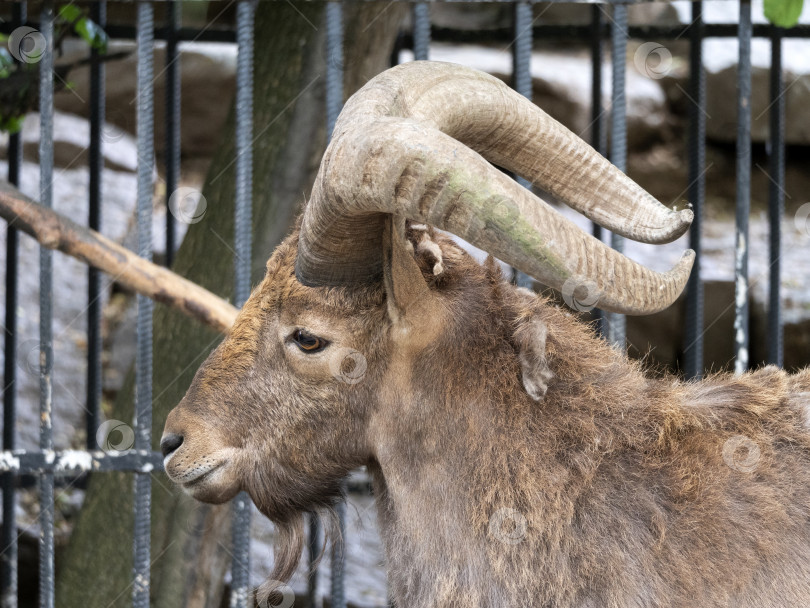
point(404, 144)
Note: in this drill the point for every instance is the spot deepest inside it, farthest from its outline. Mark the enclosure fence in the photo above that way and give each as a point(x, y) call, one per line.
point(609, 26)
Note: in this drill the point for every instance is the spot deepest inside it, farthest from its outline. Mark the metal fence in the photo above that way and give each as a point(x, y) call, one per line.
point(609, 22)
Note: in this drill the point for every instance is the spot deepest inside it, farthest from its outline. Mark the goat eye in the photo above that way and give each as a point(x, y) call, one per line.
point(307, 342)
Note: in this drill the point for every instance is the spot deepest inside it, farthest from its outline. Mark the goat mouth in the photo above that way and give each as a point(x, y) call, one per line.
point(194, 476)
point(201, 476)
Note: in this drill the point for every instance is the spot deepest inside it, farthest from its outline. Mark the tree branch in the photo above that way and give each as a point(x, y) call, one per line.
point(55, 231)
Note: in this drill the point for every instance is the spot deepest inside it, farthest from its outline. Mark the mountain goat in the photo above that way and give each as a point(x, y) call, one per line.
point(518, 460)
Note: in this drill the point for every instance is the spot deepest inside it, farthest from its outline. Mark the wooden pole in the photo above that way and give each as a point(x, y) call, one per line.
point(55, 231)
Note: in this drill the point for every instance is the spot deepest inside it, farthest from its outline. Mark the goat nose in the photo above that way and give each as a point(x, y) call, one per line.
point(170, 443)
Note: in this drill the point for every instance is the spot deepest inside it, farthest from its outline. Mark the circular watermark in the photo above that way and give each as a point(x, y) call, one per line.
point(111, 133)
point(27, 45)
point(653, 60)
point(802, 219)
point(348, 365)
point(508, 526)
point(280, 595)
point(187, 205)
point(505, 213)
point(31, 359)
point(580, 293)
point(115, 127)
point(741, 454)
point(115, 437)
point(200, 519)
point(336, 56)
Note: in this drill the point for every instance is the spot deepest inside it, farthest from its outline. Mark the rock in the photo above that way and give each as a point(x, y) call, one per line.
point(571, 83)
point(207, 72)
point(661, 335)
point(720, 57)
point(484, 16)
point(71, 138)
point(562, 87)
point(569, 13)
point(470, 16)
point(721, 90)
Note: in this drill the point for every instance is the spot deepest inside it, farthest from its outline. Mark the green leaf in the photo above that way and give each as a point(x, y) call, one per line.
point(92, 34)
point(6, 60)
point(11, 124)
point(70, 13)
point(7, 63)
point(87, 29)
point(783, 13)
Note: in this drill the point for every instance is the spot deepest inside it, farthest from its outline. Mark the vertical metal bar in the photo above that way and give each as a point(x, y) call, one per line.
point(143, 356)
point(339, 559)
point(741, 337)
point(522, 50)
point(334, 103)
point(243, 219)
point(598, 131)
point(421, 31)
point(96, 166)
point(313, 550)
point(522, 57)
point(776, 199)
point(172, 122)
point(617, 324)
point(522, 83)
point(8, 535)
point(46, 557)
point(244, 151)
point(334, 70)
point(693, 352)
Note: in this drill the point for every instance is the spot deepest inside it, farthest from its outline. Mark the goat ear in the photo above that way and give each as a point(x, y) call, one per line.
point(530, 337)
point(407, 293)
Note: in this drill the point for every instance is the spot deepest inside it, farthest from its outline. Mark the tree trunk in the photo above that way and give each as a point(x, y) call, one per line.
point(190, 541)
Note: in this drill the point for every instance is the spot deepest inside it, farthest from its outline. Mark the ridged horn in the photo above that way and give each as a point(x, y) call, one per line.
point(418, 141)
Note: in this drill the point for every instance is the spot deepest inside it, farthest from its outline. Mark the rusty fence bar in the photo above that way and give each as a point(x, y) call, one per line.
point(8, 534)
point(522, 83)
point(241, 596)
point(693, 347)
point(597, 125)
point(421, 31)
point(616, 323)
point(598, 131)
point(172, 122)
point(776, 199)
point(743, 195)
point(608, 21)
point(143, 355)
point(334, 103)
point(94, 277)
point(46, 503)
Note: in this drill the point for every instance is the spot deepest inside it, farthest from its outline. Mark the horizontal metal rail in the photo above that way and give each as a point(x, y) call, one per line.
point(440, 34)
point(69, 462)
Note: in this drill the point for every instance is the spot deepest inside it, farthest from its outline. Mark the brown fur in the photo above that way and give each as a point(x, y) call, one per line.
point(518, 459)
